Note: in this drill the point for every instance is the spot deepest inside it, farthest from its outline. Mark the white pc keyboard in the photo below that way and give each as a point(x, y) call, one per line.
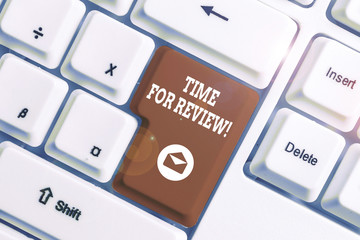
point(182, 119)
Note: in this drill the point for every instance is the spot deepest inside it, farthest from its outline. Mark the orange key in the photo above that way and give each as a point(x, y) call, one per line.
point(192, 118)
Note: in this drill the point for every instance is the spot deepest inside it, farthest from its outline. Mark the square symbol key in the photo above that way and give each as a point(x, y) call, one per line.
point(91, 136)
point(192, 118)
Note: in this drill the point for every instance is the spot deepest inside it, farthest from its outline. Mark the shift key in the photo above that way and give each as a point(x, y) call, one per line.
point(192, 118)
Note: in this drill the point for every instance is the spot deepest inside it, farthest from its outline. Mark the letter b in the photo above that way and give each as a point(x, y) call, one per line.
point(23, 113)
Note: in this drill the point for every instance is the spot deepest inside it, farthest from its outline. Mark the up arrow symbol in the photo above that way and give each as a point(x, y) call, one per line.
point(46, 194)
point(209, 10)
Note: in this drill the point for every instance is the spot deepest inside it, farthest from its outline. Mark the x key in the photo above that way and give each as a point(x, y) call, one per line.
point(124, 70)
point(111, 69)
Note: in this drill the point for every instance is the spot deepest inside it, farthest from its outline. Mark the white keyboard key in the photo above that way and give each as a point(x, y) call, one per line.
point(347, 12)
point(52, 203)
point(109, 63)
point(91, 136)
point(29, 99)
point(7, 233)
point(219, 32)
point(328, 87)
point(119, 7)
point(297, 155)
point(343, 195)
point(40, 29)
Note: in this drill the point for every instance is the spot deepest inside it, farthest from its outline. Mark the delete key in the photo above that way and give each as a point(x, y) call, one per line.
point(192, 118)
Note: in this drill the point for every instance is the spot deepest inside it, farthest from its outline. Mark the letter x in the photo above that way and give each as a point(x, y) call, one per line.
point(111, 69)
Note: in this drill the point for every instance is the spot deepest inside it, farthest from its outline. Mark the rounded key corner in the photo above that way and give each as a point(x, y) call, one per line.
point(311, 197)
point(5, 145)
point(81, 6)
point(94, 14)
point(327, 203)
point(133, 122)
point(118, 7)
point(50, 145)
point(257, 166)
point(53, 146)
point(5, 57)
point(49, 61)
point(33, 141)
point(149, 41)
point(295, 27)
point(9, 58)
point(146, 8)
point(68, 68)
point(262, 81)
point(344, 14)
point(164, 51)
point(4, 25)
point(64, 85)
point(77, 93)
point(282, 115)
point(342, 195)
point(101, 176)
point(189, 220)
point(304, 3)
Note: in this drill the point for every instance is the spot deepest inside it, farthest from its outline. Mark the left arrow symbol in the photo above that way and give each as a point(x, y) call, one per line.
point(209, 10)
point(46, 194)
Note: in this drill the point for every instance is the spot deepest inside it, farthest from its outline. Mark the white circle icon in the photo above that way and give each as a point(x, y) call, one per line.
point(175, 162)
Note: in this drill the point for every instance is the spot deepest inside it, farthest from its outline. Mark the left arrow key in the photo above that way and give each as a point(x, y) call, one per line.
point(46, 195)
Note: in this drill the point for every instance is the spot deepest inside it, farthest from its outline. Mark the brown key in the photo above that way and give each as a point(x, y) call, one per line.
point(192, 118)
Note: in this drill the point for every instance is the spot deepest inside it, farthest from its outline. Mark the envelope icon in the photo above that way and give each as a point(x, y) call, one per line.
point(176, 162)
